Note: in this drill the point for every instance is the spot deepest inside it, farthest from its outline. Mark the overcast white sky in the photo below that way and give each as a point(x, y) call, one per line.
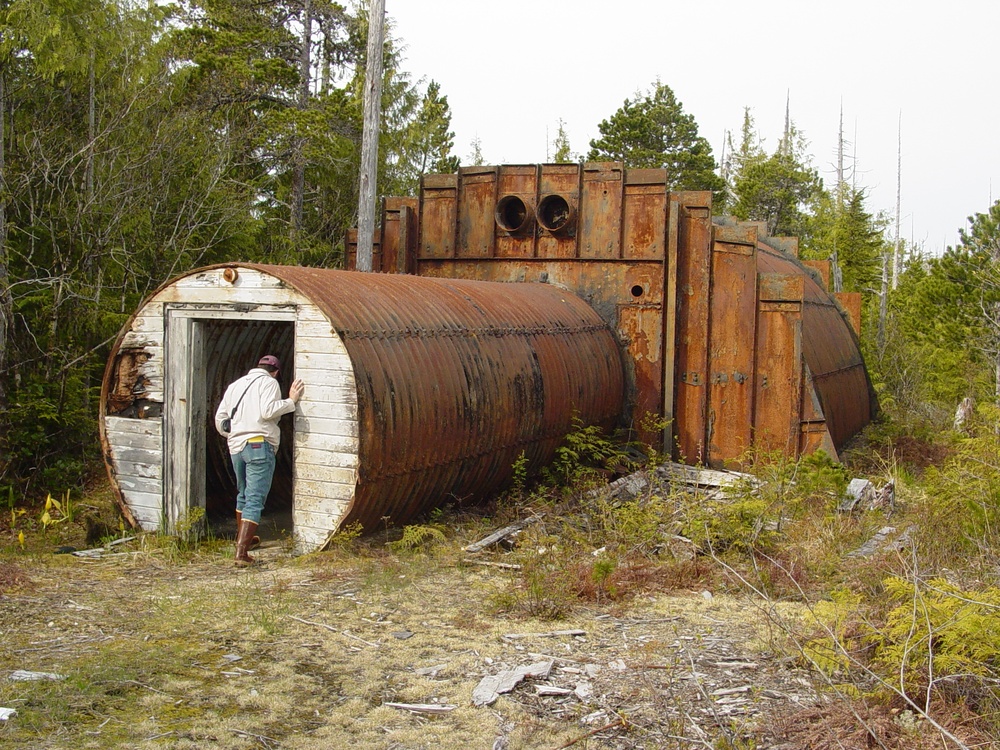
point(512, 68)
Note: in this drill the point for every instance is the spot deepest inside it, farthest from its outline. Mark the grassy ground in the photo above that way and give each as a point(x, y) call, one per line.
point(654, 637)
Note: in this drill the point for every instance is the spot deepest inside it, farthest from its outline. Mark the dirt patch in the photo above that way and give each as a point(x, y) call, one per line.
point(156, 649)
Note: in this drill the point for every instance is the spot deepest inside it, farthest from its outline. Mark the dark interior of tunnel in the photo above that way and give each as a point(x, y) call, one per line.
point(232, 348)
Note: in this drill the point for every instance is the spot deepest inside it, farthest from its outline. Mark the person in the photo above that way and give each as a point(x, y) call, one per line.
point(253, 405)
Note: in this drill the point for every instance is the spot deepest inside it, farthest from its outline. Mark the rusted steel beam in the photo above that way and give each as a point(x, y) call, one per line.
point(822, 268)
point(601, 194)
point(851, 304)
point(732, 323)
point(778, 404)
point(693, 296)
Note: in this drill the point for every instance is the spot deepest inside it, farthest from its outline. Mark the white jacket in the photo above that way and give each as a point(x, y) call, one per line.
point(258, 412)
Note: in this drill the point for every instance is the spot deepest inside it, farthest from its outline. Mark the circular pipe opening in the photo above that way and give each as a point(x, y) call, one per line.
point(637, 290)
point(513, 214)
point(555, 214)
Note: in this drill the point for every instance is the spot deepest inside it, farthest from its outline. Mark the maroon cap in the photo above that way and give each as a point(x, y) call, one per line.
point(270, 360)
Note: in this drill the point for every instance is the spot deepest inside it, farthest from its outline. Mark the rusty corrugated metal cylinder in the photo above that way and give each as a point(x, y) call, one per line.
point(456, 379)
point(420, 392)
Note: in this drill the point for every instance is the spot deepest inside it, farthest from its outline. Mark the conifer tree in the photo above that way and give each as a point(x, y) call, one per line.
point(653, 130)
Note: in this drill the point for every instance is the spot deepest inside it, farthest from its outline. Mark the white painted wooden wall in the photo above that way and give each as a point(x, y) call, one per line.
point(325, 452)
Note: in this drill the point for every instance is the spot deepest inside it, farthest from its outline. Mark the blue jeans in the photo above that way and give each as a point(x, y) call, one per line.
point(254, 466)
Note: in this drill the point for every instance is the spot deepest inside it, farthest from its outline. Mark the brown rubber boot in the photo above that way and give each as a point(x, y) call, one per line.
point(243, 538)
point(255, 542)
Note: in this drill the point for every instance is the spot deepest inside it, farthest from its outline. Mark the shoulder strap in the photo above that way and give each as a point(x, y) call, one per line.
point(245, 393)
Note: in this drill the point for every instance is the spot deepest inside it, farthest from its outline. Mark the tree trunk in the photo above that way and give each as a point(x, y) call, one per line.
point(897, 249)
point(883, 302)
point(6, 299)
point(299, 166)
point(91, 130)
point(369, 138)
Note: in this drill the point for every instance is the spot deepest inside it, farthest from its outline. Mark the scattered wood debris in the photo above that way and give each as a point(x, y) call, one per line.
point(489, 564)
point(695, 476)
point(881, 542)
point(963, 415)
point(423, 708)
point(23, 675)
point(552, 634)
point(502, 535)
point(430, 671)
point(862, 495)
point(104, 551)
point(492, 686)
point(712, 481)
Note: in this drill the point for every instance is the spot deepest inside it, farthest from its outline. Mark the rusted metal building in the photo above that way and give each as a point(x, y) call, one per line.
point(509, 301)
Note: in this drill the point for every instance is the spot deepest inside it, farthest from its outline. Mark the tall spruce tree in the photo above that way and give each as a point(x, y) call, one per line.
point(429, 139)
point(653, 130)
point(779, 189)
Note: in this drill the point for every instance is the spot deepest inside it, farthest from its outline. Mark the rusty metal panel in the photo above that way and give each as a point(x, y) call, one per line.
point(642, 327)
point(601, 210)
point(558, 210)
point(438, 216)
point(457, 378)
point(670, 326)
point(814, 432)
point(732, 322)
point(515, 212)
point(851, 304)
point(396, 213)
point(822, 268)
point(837, 377)
point(786, 245)
point(693, 289)
point(351, 251)
point(477, 195)
point(777, 406)
point(645, 213)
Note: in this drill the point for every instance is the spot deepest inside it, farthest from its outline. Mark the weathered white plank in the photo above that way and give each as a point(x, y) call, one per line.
point(308, 312)
point(343, 391)
point(144, 339)
point(210, 295)
point(326, 363)
point(147, 441)
point(147, 500)
point(247, 278)
point(313, 409)
point(147, 518)
point(141, 471)
point(318, 520)
point(308, 539)
point(326, 442)
point(126, 455)
point(142, 485)
point(333, 459)
point(132, 426)
point(149, 319)
point(308, 333)
point(325, 473)
point(152, 371)
point(318, 345)
point(335, 427)
point(325, 492)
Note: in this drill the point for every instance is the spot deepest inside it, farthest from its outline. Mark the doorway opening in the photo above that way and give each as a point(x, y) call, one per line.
point(208, 350)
